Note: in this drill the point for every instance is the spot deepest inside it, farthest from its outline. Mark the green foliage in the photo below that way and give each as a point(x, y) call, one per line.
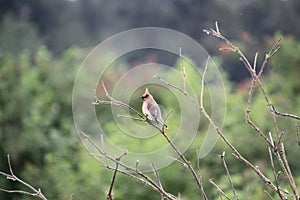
point(36, 114)
point(37, 129)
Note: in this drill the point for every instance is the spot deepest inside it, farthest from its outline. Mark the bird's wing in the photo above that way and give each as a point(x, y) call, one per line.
point(145, 110)
point(153, 111)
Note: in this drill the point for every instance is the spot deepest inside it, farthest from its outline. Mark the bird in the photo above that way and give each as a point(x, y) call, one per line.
point(151, 109)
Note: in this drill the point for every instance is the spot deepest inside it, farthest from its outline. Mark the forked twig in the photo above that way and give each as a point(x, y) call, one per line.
point(221, 134)
point(109, 194)
point(255, 78)
point(284, 114)
point(128, 170)
point(162, 131)
point(13, 177)
point(273, 168)
point(289, 176)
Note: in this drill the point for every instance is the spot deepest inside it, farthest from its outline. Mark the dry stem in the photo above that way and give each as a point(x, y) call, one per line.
point(13, 177)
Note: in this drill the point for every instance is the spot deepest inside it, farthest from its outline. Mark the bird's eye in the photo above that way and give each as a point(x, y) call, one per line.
point(145, 96)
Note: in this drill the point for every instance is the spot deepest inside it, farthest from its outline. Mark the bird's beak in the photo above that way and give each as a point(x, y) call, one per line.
point(142, 97)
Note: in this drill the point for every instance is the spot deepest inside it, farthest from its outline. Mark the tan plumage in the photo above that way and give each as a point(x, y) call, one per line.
point(151, 109)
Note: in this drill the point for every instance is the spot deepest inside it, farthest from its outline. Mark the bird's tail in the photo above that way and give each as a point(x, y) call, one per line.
point(160, 121)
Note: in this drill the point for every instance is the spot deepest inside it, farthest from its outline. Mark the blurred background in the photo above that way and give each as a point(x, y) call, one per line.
point(42, 44)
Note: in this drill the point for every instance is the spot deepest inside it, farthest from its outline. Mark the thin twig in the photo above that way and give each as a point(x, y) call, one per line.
point(251, 70)
point(298, 134)
point(202, 82)
point(145, 179)
point(273, 50)
point(255, 79)
point(248, 110)
point(183, 70)
point(221, 134)
point(255, 61)
point(284, 114)
point(186, 163)
point(162, 131)
point(130, 117)
point(198, 160)
point(13, 177)
point(168, 115)
point(236, 196)
point(179, 89)
point(177, 160)
point(290, 176)
point(273, 168)
point(156, 175)
point(220, 191)
point(109, 194)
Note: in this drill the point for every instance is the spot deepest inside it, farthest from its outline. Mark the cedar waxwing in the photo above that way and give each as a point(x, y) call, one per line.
point(151, 109)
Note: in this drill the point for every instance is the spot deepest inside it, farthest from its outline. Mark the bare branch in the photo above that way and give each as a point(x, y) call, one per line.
point(175, 159)
point(109, 194)
point(129, 170)
point(183, 71)
point(168, 114)
point(273, 50)
point(130, 117)
point(273, 169)
point(162, 131)
point(290, 176)
point(221, 134)
point(202, 82)
point(220, 191)
point(298, 134)
point(255, 61)
point(248, 110)
point(284, 114)
point(236, 196)
point(13, 177)
point(156, 175)
point(179, 89)
point(255, 79)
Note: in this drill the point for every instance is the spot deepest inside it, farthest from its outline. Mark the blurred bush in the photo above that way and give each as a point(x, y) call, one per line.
point(36, 129)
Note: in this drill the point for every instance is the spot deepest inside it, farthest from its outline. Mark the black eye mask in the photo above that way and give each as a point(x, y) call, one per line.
point(143, 97)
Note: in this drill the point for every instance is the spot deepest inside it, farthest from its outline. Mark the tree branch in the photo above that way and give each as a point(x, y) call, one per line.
point(13, 177)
